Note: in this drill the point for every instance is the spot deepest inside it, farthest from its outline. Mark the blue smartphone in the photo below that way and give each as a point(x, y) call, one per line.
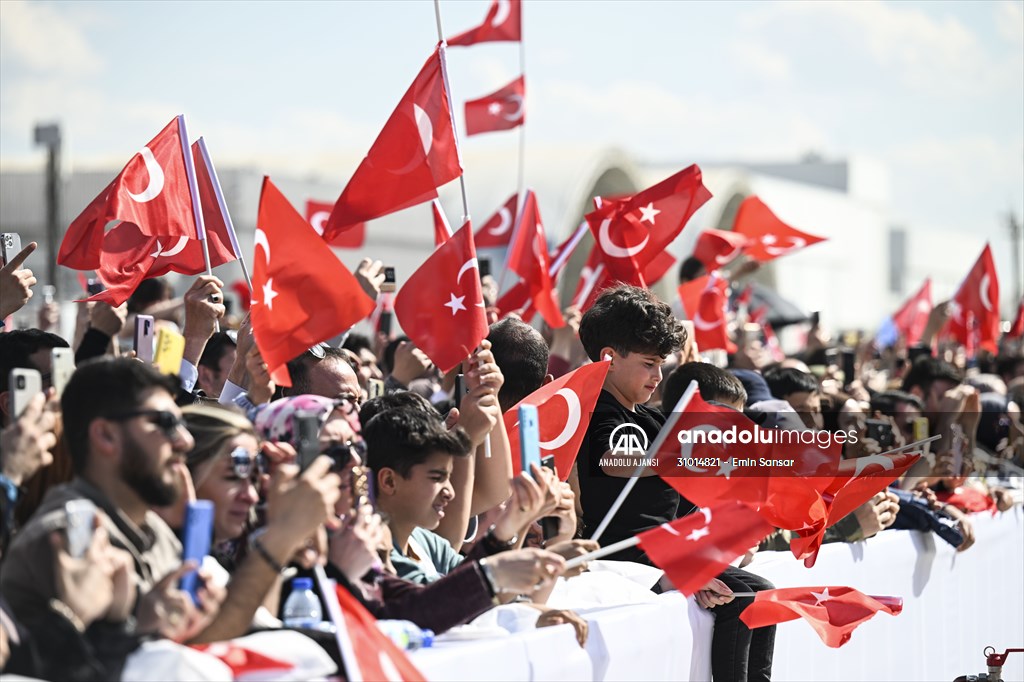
point(529, 438)
point(197, 536)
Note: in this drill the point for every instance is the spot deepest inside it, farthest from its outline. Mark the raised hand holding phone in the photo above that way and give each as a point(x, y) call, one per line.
point(144, 338)
point(198, 534)
point(529, 438)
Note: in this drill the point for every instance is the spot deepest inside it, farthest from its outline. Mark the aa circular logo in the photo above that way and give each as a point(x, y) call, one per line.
point(628, 440)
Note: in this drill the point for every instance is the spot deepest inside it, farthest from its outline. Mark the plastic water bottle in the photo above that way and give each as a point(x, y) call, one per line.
point(302, 608)
point(406, 634)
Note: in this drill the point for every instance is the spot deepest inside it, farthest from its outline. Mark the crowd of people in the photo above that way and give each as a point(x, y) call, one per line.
point(409, 500)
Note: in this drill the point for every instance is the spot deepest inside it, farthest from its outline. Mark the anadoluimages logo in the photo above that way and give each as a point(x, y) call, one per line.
point(628, 440)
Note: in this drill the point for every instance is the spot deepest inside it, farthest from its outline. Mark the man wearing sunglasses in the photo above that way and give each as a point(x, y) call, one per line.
point(125, 437)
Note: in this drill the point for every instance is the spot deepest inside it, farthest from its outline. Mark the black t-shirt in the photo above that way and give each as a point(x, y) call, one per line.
point(651, 503)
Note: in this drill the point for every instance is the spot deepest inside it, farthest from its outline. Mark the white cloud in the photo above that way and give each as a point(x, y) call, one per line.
point(1010, 21)
point(45, 40)
point(762, 62)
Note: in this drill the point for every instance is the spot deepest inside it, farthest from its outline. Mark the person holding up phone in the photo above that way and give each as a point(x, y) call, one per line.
point(16, 282)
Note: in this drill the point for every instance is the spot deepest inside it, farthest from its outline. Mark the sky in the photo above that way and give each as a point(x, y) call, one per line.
point(933, 91)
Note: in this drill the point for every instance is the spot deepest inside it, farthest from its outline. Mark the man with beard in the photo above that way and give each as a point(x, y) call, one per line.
point(125, 436)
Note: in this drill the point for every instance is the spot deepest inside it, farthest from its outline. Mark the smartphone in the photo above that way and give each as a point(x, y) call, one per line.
point(816, 318)
point(307, 437)
point(197, 534)
point(484, 265)
point(170, 349)
point(374, 388)
point(62, 366)
point(385, 323)
point(80, 516)
point(921, 429)
point(881, 431)
point(848, 365)
point(460, 389)
point(144, 336)
point(388, 286)
point(549, 524)
point(23, 385)
point(529, 438)
point(94, 286)
point(10, 245)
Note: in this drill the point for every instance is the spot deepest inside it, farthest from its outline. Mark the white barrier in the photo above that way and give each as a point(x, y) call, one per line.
point(954, 605)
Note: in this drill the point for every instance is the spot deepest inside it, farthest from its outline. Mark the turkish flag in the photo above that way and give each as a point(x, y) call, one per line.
point(528, 258)
point(369, 654)
point(855, 482)
point(771, 342)
point(694, 549)
point(414, 154)
point(833, 612)
point(631, 232)
point(564, 409)
point(769, 237)
point(594, 279)
point(503, 109)
point(441, 306)
point(317, 213)
point(705, 301)
point(185, 255)
point(302, 293)
point(716, 248)
point(658, 267)
point(1017, 328)
point(503, 23)
point(975, 306)
point(152, 191)
point(243, 293)
point(517, 298)
point(126, 257)
point(912, 317)
point(497, 231)
point(442, 228)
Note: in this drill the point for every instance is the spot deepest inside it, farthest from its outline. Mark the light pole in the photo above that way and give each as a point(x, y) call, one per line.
point(49, 135)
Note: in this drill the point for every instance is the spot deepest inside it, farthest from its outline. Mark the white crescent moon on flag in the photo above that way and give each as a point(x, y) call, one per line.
point(706, 512)
point(669, 529)
point(426, 128)
point(318, 220)
point(702, 324)
point(518, 114)
point(794, 243)
point(501, 16)
point(613, 249)
point(471, 264)
point(572, 421)
point(506, 222)
point(177, 248)
point(156, 178)
point(983, 291)
point(722, 260)
point(863, 462)
point(260, 240)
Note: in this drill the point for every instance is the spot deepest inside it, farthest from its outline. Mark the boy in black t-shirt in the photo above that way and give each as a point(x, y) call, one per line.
point(636, 331)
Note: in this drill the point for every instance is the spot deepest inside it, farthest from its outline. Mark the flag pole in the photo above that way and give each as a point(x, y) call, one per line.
point(218, 192)
point(603, 552)
point(455, 134)
point(337, 618)
point(651, 452)
point(197, 208)
point(522, 124)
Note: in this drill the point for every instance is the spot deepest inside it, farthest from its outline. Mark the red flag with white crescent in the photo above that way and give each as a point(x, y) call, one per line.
point(503, 23)
point(977, 301)
point(1017, 328)
point(564, 409)
point(528, 258)
point(442, 228)
point(503, 109)
point(414, 154)
point(716, 248)
point(302, 294)
point(317, 213)
point(912, 317)
point(152, 192)
point(834, 612)
point(441, 306)
point(497, 231)
point(769, 237)
point(369, 654)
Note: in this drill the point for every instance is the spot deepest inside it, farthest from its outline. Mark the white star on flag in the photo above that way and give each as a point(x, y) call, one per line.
point(769, 239)
point(821, 596)
point(269, 294)
point(697, 534)
point(726, 468)
point(494, 108)
point(455, 303)
point(648, 212)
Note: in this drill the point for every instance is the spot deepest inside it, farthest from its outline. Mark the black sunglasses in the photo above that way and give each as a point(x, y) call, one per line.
point(168, 422)
point(245, 464)
point(341, 453)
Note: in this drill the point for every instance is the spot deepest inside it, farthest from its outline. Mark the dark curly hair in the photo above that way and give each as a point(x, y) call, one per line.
point(400, 439)
point(630, 320)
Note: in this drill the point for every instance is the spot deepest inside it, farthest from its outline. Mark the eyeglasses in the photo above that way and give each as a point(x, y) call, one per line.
point(347, 405)
point(341, 453)
point(245, 464)
point(168, 422)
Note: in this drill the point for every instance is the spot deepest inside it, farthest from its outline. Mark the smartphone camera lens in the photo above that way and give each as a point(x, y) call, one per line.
point(21, 382)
